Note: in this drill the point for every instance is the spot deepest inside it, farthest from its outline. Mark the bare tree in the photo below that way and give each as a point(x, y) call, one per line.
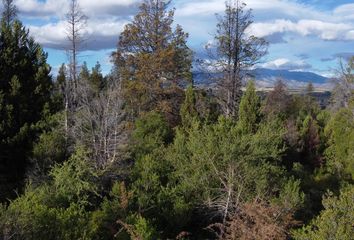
point(9, 12)
point(344, 85)
point(233, 52)
point(99, 122)
point(76, 23)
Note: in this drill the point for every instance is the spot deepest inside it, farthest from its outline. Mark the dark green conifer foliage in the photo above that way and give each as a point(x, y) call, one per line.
point(25, 86)
point(60, 87)
point(96, 78)
point(188, 109)
point(249, 110)
point(311, 142)
point(84, 73)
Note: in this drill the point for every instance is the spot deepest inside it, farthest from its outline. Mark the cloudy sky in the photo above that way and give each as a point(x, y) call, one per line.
point(304, 35)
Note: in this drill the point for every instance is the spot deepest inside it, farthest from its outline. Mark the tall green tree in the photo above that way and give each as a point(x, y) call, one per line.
point(340, 151)
point(153, 59)
point(96, 78)
point(249, 111)
point(25, 86)
point(188, 108)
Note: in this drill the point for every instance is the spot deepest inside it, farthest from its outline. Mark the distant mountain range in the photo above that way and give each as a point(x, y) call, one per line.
point(266, 78)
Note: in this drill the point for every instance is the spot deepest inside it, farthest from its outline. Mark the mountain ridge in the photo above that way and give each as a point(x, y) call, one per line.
point(265, 77)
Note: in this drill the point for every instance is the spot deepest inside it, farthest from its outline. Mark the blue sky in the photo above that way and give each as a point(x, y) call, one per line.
point(304, 35)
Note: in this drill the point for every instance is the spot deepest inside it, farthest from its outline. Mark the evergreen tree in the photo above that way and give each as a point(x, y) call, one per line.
point(188, 109)
point(309, 89)
point(25, 86)
point(249, 111)
point(10, 11)
point(335, 222)
point(59, 87)
point(234, 52)
point(153, 59)
point(84, 72)
point(340, 151)
point(311, 142)
point(278, 101)
point(96, 78)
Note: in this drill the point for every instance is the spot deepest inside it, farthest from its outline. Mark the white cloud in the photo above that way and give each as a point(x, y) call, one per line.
point(346, 11)
point(35, 8)
point(98, 34)
point(324, 30)
point(106, 19)
point(274, 19)
point(93, 8)
point(286, 64)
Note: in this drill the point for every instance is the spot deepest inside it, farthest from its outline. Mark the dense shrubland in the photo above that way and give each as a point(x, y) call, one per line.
point(143, 154)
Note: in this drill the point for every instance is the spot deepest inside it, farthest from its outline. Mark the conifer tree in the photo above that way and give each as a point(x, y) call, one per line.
point(278, 101)
point(25, 86)
point(96, 78)
point(234, 52)
point(153, 59)
point(311, 142)
point(10, 11)
point(84, 72)
point(188, 108)
point(249, 111)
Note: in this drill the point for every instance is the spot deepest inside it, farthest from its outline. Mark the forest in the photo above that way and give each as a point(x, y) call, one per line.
point(142, 153)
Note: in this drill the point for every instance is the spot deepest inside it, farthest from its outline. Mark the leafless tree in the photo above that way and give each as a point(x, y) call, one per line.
point(233, 52)
point(99, 122)
point(229, 196)
point(76, 24)
point(344, 85)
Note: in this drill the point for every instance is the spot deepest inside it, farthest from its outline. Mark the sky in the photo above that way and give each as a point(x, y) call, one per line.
point(303, 35)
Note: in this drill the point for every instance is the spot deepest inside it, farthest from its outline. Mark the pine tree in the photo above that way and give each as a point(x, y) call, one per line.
point(234, 52)
point(311, 142)
point(25, 86)
point(278, 101)
point(153, 59)
point(96, 78)
point(84, 73)
point(188, 109)
point(249, 111)
point(60, 87)
point(10, 11)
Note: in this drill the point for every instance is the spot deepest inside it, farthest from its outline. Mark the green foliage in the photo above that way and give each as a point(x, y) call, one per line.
point(84, 72)
point(96, 78)
point(141, 228)
point(249, 110)
point(250, 176)
point(291, 198)
point(25, 90)
point(173, 180)
point(103, 223)
point(335, 222)
point(160, 60)
point(57, 209)
point(340, 151)
point(74, 180)
point(188, 110)
point(311, 142)
point(50, 147)
point(151, 131)
point(60, 88)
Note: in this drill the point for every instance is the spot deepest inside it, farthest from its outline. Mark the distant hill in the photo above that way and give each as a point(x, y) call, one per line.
point(267, 77)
